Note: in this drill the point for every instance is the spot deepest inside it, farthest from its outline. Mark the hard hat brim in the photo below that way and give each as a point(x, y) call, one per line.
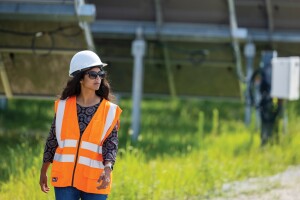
point(83, 69)
point(95, 65)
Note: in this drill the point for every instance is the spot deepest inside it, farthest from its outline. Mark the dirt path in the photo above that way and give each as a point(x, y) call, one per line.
point(283, 186)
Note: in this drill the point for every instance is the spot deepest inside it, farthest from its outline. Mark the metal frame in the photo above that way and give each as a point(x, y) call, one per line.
point(63, 10)
point(46, 12)
point(185, 32)
point(40, 1)
point(38, 50)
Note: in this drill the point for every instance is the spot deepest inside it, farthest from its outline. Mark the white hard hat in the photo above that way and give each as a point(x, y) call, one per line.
point(83, 60)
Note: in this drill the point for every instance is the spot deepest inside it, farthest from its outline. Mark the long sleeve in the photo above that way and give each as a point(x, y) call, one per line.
point(51, 144)
point(110, 146)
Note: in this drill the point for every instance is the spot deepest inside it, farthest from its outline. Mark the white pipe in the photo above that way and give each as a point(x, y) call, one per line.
point(138, 51)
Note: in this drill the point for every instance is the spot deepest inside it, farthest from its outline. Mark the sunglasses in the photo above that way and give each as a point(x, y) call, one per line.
point(93, 74)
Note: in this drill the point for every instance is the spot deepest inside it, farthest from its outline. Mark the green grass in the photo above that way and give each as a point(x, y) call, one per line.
point(186, 150)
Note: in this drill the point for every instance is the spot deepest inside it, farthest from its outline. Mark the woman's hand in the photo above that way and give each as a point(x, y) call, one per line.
point(44, 182)
point(105, 178)
point(44, 178)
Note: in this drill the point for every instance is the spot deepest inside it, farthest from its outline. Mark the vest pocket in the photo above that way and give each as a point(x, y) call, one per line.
point(92, 173)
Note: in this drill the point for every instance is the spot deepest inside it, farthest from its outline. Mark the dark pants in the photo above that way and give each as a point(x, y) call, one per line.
point(71, 193)
point(266, 132)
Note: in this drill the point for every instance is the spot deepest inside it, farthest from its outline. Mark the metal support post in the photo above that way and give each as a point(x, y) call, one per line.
point(5, 81)
point(285, 124)
point(169, 72)
point(159, 26)
point(79, 7)
point(234, 32)
point(138, 51)
point(88, 36)
point(249, 52)
point(270, 21)
point(3, 103)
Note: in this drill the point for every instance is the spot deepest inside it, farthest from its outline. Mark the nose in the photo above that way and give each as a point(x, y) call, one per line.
point(98, 77)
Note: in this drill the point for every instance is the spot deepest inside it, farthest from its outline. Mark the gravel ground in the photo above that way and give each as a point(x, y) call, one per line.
point(283, 186)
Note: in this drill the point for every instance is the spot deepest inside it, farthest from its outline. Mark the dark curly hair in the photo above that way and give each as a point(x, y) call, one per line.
point(73, 88)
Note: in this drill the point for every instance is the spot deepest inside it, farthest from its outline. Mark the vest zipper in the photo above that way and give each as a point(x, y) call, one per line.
point(76, 159)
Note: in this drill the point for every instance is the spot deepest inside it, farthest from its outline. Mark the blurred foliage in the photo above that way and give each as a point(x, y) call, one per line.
point(187, 149)
point(27, 115)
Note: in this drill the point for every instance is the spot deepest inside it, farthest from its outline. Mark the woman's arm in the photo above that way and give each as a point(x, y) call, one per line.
point(110, 147)
point(51, 144)
point(43, 177)
point(50, 147)
point(109, 150)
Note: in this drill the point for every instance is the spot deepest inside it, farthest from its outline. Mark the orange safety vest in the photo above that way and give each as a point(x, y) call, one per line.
point(78, 160)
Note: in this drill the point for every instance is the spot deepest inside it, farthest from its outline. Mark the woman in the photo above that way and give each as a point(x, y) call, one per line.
point(83, 141)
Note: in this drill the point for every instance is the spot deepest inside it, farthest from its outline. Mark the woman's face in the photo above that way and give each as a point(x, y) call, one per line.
point(92, 79)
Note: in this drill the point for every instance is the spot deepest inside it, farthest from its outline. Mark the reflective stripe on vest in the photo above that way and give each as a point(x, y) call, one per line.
point(64, 157)
point(90, 162)
point(91, 146)
point(58, 124)
point(109, 119)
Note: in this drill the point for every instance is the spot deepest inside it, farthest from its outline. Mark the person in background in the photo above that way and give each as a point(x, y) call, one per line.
point(83, 140)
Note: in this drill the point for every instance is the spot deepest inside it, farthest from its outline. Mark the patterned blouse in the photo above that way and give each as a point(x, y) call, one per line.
point(85, 114)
